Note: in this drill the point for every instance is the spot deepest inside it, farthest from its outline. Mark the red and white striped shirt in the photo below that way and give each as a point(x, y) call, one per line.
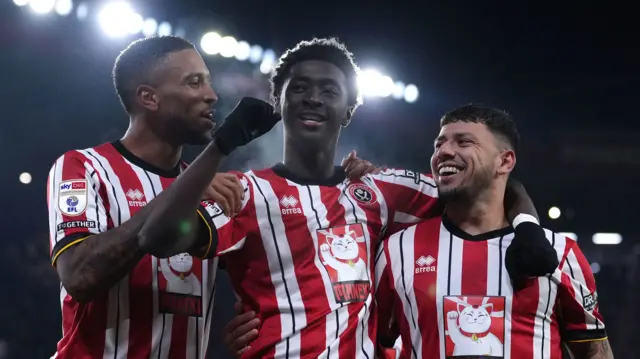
point(300, 254)
point(162, 308)
point(452, 296)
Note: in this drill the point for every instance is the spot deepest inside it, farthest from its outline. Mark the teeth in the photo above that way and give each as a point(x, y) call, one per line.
point(448, 170)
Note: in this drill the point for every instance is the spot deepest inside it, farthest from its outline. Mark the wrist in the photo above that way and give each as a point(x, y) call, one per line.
point(522, 218)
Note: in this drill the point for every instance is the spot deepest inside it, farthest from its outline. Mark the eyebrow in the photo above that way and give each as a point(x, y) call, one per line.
point(456, 135)
point(205, 75)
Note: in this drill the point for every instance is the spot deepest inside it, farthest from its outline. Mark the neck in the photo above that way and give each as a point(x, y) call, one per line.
point(480, 214)
point(150, 146)
point(315, 162)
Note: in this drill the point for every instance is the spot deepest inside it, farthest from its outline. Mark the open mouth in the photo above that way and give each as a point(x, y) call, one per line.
point(311, 118)
point(448, 170)
point(208, 114)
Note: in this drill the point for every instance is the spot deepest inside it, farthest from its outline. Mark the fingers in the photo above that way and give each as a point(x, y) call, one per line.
point(223, 195)
point(233, 183)
point(239, 308)
point(347, 160)
point(359, 169)
point(241, 330)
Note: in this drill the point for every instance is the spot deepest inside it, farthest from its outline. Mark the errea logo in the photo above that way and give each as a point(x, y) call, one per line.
point(425, 264)
point(289, 205)
point(135, 198)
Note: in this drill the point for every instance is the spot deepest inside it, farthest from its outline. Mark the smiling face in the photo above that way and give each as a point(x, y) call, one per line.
point(314, 102)
point(467, 158)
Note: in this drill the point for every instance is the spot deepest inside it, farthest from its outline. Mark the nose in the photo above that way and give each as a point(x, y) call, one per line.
point(210, 96)
point(445, 152)
point(312, 99)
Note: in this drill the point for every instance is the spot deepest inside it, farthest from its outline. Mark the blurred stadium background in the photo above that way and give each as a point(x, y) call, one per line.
point(568, 74)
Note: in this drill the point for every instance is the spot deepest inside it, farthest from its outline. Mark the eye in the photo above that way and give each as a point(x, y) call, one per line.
point(464, 142)
point(297, 88)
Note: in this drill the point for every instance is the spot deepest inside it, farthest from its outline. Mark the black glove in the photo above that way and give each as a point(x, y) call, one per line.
point(250, 119)
point(530, 254)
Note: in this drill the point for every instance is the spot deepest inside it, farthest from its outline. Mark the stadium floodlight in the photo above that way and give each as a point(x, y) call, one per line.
point(42, 6)
point(243, 50)
point(118, 19)
point(21, 2)
point(373, 83)
point(595, 267)
point(255, 55)
point(607, 238)
point(268, 61)
point(82, 11)
point(398, 90)
point(411, 93)
point(569, 235)
point(228, 46)
point(210, 43)
point(25, 178)
point(164, 29)
point(554, 213)
point(149, 27)
point(64, 7)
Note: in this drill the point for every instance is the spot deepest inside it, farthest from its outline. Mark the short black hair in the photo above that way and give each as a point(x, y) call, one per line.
point(135, 64)
point(324, 49)
point(499, 122)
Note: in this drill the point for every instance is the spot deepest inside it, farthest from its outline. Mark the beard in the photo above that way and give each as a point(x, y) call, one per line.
point(467, 192)
point(181, 129)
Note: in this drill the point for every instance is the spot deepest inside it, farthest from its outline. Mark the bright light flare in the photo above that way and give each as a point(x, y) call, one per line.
point(554, 213)
point(228, 45)
point(607, 238)
point(210, 43)
point(64, 7)
point(243, 51)
point(118, 19)
point(82, 11)
point(373, 83)
point(255, 54)
point(268, 61)
point(42, 6)
point(411, 93)
point(25, 178)
point(21, 2)
point(149, 27)
point(164, 29)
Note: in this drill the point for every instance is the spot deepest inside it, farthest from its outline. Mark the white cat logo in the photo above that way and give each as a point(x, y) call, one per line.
point(469, 328)
point(341, 255)
point(177, 271)
point(180, 290)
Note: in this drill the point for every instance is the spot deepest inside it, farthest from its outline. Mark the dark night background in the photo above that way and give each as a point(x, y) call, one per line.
point(567, 72)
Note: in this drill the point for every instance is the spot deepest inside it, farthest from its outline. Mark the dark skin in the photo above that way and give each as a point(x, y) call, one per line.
point(596, 349)
point(166, 115)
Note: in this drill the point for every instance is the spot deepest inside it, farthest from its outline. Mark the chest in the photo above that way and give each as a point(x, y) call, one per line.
point(345, 222)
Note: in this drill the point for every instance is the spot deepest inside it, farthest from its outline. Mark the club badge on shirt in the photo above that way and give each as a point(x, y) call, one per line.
point(474, 326)
point(72, 197)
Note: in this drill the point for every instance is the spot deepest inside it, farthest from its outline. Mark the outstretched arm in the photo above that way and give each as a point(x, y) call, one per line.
point(175, 225)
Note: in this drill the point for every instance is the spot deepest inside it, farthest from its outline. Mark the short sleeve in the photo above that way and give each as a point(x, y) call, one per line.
point(578, 298)
point(410, 196)
point(231, 232)
point(76, 203)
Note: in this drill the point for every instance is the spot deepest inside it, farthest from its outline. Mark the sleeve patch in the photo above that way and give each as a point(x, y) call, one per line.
point(72, 197)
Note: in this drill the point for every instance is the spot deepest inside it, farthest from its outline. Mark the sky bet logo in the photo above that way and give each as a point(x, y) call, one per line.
point(73, 186)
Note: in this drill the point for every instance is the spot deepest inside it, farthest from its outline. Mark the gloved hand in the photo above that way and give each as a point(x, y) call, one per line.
point(530, 254)
point(250, 119)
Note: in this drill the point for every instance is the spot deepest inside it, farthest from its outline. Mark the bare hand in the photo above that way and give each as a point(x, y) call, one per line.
point(241, 330)
point(356, 167)
point(227, 191)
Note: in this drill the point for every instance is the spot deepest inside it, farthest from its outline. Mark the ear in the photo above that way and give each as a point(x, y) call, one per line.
point(461, 306)
point(507, 161)
point(347, 118)
point(488, 307)
point(147, 97)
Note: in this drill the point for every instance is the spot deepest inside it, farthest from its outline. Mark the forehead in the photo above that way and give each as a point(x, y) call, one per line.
point(317, 70)
point(478, 130)
point(182, 63)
